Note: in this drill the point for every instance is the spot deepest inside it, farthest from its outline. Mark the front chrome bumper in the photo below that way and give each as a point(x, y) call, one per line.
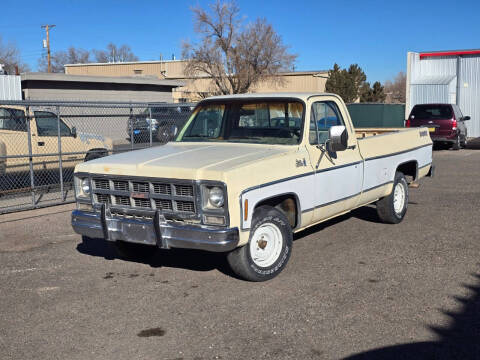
point(157, 231)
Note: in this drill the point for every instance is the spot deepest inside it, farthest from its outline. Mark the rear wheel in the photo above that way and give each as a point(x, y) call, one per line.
point(268, 249)
point(456, 145)
point(392, 208)
point(465, 142)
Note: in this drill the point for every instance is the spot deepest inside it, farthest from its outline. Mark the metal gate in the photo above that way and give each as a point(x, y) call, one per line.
point(41, 142)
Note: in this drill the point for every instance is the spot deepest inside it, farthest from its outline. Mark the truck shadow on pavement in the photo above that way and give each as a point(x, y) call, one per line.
point(460, 340)
point(195, 260)
point(366, 213)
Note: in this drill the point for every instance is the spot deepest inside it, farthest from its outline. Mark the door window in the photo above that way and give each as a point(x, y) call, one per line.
point(47, 124)
point(324, 115)
point(12, 119)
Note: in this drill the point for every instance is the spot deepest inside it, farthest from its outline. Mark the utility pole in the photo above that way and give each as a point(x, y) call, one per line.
point(47, 29)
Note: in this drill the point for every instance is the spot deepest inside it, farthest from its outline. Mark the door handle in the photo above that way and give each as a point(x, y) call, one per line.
point(41, 143)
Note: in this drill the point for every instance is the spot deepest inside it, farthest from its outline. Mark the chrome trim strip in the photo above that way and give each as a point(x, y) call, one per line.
point(348, 197)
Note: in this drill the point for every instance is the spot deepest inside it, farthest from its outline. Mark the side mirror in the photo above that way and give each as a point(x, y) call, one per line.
point(337, 138)
point(74, 131)
point(465, 118)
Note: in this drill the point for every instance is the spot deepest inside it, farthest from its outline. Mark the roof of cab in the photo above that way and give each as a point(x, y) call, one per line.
point(280, 95)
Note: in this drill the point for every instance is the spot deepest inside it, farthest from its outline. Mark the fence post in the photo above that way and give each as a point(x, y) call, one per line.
point(60, 164)
point(151, 123)
point(30, 153)
point(132, 139)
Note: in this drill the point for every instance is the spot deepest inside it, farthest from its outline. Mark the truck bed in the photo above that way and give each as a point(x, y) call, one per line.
point(387, 142)
point(366, 132)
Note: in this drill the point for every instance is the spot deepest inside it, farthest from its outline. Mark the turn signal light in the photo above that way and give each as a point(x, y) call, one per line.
point(407, 123)
point(245, 211)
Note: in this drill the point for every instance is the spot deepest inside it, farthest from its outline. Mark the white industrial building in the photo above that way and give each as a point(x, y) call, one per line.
point(446, 77)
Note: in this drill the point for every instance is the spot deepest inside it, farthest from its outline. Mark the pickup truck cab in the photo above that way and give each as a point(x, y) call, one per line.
point(244, 174)
point(44, 131)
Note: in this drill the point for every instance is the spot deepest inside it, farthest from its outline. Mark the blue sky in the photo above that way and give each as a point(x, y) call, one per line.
point(374, 34)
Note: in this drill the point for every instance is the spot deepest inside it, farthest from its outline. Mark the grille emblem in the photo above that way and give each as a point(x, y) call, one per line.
point(137, 195)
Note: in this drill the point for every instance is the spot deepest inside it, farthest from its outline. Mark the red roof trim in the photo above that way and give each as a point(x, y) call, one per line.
point(450, 53)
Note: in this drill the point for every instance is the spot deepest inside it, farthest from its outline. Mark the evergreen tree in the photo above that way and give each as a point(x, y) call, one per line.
point(374, 94)
point(346, 83)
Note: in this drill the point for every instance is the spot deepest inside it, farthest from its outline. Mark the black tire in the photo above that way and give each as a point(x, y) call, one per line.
point(240, 259)
point(385, 206)
point(132, 251)
point(456, 145)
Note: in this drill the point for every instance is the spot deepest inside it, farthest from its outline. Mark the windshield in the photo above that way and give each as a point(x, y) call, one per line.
point(278, 122)
point(432, 112)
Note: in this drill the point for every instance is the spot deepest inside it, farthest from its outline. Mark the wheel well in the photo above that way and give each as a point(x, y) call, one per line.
point(99, 151)
point(409, 169)
point(287, 204)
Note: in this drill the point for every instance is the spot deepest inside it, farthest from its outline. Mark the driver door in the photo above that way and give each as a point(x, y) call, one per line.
point(338, 175)
point(46, 140)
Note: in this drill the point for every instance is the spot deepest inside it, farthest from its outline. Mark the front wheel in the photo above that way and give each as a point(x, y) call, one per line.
point(268, 249)
point(392, 208)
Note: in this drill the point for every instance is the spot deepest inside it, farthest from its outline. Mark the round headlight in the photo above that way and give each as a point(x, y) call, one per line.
point(216, 197)
point(85, 186)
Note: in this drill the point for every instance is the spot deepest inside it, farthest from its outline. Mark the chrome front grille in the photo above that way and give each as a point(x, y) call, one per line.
point(140, 187)
point(184, 190)
point(120, 185)
point(185, 206)
point(164, 204)
point(168, 196)
point(102, 184)
point(164, 189)
point(102, 198)
point(122, 200)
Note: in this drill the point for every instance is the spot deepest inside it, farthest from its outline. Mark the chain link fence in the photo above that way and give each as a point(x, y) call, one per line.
point(41, 142)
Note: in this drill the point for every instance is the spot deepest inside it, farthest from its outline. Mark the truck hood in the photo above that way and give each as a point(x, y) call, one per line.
point(183, 160)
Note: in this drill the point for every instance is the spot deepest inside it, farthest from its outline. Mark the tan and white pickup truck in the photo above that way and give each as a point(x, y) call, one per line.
point(244, 174)
point(44, 131)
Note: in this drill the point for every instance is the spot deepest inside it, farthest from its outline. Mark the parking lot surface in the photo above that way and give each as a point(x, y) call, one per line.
point(353, 287)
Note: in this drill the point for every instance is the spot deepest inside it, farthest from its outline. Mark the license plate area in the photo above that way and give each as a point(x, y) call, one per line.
point(131, 231)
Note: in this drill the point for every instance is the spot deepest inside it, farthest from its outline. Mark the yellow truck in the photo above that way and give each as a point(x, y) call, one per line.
point(244, 174)
point(44, 129)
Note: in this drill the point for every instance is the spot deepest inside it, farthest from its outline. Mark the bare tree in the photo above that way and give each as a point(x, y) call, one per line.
point(113, 53)
point(396, 91)
point(234, 56)
point(10, 57)
point(60, 58)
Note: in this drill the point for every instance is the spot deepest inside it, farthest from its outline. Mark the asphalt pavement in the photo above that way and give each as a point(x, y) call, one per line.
point(354, 287)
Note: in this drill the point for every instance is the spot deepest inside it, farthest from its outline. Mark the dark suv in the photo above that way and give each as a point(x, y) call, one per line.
point(162, 119)
point(445, 122)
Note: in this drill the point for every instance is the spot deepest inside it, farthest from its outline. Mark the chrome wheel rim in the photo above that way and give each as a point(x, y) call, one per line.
point(266, 245)
point(399, 196)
